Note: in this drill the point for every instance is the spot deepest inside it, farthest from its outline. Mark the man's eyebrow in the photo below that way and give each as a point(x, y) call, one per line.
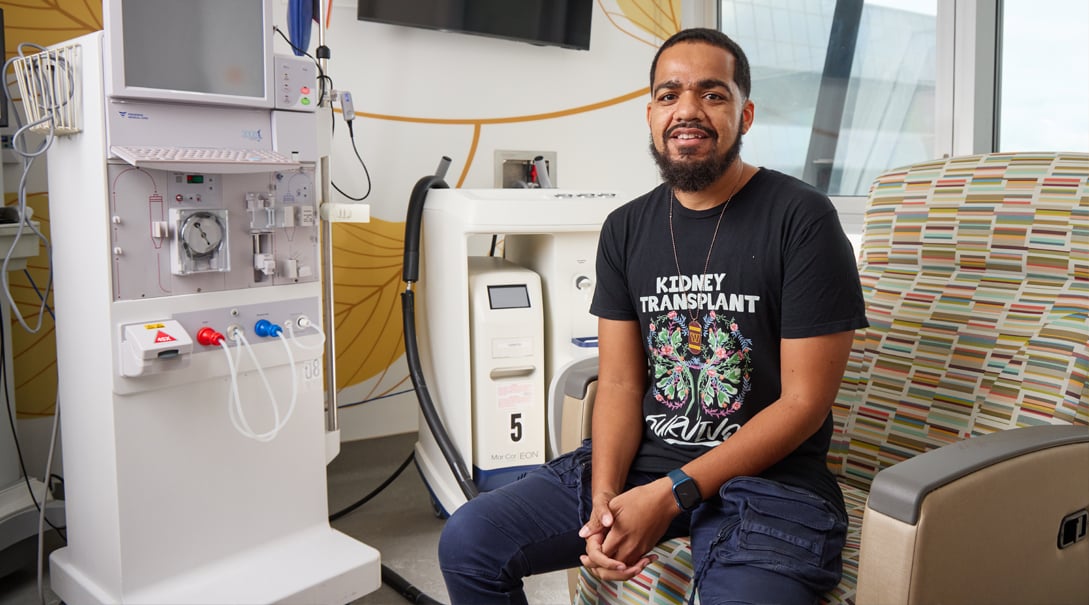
point(714, 83)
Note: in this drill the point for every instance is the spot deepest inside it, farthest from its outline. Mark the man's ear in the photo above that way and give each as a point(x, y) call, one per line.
point(748, 112)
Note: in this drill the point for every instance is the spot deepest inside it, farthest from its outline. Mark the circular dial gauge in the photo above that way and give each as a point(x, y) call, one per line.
point(201, 234)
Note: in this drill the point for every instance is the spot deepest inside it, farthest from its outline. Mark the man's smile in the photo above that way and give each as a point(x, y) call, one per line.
point(688, 139)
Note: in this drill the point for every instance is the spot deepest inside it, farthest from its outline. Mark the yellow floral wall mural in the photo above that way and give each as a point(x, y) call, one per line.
point(367, 257)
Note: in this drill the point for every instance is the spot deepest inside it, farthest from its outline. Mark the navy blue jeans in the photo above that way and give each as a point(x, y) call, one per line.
point(758, 542)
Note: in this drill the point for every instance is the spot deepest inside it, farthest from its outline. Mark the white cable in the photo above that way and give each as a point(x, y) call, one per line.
point(308, 325)
point(27, 157)
point(294, 376)
point(232, 395)
point(264, 380)
point(234, 404)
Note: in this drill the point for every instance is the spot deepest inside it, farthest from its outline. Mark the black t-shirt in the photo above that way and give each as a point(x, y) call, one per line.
point(780, 267)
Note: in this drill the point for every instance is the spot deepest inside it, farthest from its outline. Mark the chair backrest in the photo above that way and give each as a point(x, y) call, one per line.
point(975, 272)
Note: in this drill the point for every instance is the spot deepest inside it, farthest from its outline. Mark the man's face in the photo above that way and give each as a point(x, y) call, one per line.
point(696, 115)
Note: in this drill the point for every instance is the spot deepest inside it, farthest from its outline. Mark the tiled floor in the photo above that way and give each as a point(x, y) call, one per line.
point(399, 522)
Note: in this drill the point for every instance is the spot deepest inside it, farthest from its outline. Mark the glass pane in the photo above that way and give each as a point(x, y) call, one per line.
point(1044, 96)
point(844, 90)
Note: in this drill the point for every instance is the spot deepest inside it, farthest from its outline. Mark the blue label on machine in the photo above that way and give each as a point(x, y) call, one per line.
point(489, 480)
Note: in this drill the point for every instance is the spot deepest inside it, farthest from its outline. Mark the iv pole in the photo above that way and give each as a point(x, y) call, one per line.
point(332, 422)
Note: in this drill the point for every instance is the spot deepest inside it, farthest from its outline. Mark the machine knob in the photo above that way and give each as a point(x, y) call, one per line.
point(583, 282)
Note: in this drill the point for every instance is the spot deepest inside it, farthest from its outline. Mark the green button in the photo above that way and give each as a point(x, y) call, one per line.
point(306, 100)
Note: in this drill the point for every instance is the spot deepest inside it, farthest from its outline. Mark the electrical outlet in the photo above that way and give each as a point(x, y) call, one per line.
point(513, 169)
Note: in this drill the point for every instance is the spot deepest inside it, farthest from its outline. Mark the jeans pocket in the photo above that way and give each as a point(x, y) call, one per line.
point(791, 528)
point(785, 530)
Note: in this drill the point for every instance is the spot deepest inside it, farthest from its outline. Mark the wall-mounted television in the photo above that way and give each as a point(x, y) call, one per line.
point(563, 23)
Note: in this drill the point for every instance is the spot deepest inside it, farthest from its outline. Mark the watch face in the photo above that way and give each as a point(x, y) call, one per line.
point(685, 491)
point(687, 494)
point(201, 234)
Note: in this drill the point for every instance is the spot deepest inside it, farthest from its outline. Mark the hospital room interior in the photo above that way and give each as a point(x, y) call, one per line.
point(286, 283)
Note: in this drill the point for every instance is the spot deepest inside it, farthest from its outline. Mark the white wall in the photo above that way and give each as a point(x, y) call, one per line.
point(417, 73)
point(433, 75)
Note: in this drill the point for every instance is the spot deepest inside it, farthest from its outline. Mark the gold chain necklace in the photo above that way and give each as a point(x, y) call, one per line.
point(695, 330)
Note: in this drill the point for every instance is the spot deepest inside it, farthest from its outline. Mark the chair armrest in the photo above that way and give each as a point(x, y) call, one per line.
point(899, 491)
point(998, 518)
point(578, 386)
point(578, 377)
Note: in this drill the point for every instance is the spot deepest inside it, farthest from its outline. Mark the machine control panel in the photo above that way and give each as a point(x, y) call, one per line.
point(296, 83)
point(190, 232)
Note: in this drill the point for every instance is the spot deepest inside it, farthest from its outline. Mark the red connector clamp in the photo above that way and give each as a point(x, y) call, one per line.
point(209, 337)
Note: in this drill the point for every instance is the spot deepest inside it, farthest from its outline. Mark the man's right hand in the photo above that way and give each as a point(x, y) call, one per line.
point(596, 561)
point(601, 516)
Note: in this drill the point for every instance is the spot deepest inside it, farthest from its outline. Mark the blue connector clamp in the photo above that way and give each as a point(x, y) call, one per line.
point(264, 327)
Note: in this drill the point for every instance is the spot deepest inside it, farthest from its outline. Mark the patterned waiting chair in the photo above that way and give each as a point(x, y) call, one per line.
point(961, 441)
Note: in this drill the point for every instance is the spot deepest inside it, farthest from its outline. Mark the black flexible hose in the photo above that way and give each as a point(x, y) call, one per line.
point(405, 588)
point(410, 274)
point(427, 406)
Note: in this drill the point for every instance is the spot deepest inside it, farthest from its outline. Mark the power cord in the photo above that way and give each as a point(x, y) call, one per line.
point(347, 109)
point(376, 398)
point(375, 492)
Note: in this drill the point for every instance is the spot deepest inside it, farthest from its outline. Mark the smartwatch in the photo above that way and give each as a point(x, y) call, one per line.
point(685, 491)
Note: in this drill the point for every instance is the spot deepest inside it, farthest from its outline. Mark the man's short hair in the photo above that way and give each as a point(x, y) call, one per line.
point(742, 77)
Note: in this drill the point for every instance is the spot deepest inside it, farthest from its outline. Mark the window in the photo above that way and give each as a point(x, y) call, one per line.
point(844, 90)
point(1044, 76)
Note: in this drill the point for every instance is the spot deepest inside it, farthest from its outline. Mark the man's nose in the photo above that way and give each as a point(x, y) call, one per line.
point(688, 106)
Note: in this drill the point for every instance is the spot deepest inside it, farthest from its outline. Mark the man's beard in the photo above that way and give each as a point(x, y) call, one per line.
point(698, 175)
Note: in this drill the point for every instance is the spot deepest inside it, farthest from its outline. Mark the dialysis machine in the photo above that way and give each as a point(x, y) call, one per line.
point(188, 315)
point(501, 331)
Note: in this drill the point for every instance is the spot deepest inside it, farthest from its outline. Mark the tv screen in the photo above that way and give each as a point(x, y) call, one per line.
point(563, 23)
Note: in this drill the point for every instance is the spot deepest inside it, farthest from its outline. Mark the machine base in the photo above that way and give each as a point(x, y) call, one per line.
point(320, 565)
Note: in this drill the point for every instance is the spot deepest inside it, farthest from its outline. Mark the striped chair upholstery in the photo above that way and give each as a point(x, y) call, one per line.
point(975, 272)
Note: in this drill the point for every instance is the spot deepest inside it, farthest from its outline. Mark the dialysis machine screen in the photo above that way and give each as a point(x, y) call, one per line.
point(205, 51)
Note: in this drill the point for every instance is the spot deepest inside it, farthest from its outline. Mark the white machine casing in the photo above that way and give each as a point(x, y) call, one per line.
point(507, 342)
point(552, 232)
point(166, 501)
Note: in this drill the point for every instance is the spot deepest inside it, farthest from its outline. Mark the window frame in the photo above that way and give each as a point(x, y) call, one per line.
point(966, 83)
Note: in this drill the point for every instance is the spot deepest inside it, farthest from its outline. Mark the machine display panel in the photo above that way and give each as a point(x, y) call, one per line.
point(508, 297)
point(204, 51)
